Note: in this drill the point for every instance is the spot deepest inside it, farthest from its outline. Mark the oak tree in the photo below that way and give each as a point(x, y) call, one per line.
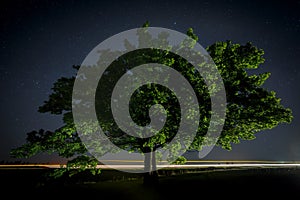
point(250, 108)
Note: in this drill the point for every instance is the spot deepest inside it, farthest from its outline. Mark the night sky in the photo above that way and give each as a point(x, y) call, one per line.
point(41, 40)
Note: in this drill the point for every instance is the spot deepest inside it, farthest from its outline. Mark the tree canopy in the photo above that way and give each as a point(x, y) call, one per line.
point(250, 108)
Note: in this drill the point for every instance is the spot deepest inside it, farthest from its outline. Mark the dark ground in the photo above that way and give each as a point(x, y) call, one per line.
point(226, 184)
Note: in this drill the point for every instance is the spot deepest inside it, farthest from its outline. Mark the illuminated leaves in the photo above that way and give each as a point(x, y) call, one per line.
point(250, 108)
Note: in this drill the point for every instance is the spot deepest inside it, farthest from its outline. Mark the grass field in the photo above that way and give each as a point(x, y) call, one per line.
point(173, 184)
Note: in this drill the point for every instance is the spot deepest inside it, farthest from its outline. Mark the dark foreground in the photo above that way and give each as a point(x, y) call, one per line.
point(229, 184)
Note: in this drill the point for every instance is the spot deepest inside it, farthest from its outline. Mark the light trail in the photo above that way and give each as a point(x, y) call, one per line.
point(188, 165)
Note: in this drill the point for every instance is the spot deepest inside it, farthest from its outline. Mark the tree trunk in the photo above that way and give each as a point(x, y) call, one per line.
point(147, 162)
point(150, 175)
point(153, 161)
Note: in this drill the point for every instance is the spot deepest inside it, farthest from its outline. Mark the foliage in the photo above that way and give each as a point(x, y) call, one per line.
point(76, 166)
point(249, 110)
point(180, 160)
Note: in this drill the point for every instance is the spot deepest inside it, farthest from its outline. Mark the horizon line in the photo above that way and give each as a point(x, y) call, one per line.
point(193, 164)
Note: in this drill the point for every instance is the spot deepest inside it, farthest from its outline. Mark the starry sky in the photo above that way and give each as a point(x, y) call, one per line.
point(41, 40)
